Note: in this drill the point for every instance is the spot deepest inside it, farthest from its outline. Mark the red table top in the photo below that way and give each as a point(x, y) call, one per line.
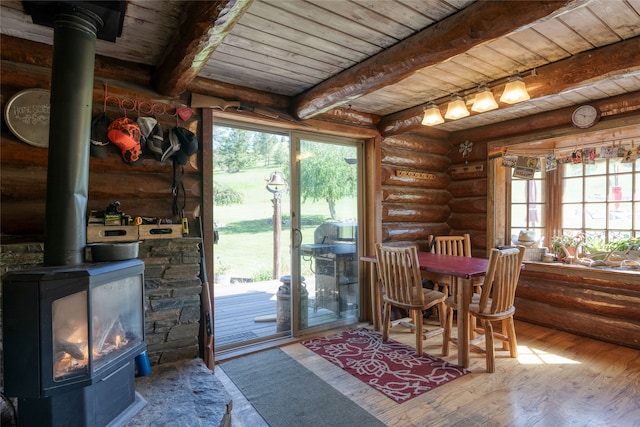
point(458, 266)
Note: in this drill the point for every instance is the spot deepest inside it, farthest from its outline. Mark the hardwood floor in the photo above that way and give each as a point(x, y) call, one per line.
point(559, 379)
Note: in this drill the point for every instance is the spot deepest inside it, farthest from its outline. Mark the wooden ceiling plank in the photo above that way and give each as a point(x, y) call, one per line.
point(589, 26)
point(563, 36)
point(283, 50)
point(629, 83)
point(288, 65)
point(523, 56)
point(541, 46)
point(278, 70)
point(397, 12)
point(380, 29)
point(437, 9)
point(616, 59)
point(232, 74)
point(304, 22)
point(309, 42)
point(208, 23)
point(479, 23)
point(346, 21)
point(625, 24)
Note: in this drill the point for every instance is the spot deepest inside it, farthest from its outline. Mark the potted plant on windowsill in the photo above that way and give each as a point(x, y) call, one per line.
point(565, 246)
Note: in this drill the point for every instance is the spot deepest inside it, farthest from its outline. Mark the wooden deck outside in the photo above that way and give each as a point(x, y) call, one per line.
point(247, 312)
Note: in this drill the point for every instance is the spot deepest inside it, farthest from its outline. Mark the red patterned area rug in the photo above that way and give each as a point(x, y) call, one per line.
point(392, 368)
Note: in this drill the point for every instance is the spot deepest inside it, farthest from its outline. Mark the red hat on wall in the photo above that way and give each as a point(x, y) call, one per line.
point(125, 133)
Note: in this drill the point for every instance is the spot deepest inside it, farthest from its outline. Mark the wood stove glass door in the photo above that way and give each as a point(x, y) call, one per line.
point(325, 215)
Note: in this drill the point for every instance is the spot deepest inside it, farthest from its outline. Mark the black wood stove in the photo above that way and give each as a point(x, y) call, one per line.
point(71, 335)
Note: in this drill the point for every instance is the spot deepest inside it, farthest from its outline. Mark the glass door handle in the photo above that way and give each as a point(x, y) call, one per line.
point(297, 238)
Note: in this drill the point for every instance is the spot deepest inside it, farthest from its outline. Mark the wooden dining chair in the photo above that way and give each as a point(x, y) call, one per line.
point(459, 245)
point(451, 245)
point(399, 274)
point(496, 303)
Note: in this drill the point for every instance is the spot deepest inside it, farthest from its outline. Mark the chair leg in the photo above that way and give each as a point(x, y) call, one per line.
point(418, 322)
point(386, 321)
point(491, 356)
point(511, 333)
point(448, 325)
point(442, 313)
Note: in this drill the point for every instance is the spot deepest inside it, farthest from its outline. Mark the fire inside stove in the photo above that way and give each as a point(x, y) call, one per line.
point(115, 324)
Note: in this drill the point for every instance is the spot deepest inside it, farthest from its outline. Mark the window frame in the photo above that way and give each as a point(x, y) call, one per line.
point(498, 197)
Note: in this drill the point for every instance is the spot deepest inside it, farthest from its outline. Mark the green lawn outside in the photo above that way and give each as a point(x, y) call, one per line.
point(246, 230)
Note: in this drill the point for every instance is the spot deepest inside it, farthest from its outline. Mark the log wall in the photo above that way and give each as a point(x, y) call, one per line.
point(421, 195)
point(414, 189)
point(143, 190)
point(468, 190)
point(599, 303)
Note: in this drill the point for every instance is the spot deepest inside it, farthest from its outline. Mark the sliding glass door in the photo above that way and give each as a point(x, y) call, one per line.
point(324, 217)
point(285, 208)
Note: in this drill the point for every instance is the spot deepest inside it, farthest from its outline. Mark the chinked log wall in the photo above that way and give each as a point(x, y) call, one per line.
point(420, 196)
point(597, 303)
point(143, 190)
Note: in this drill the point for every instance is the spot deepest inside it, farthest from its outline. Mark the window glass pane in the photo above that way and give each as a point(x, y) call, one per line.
point(519, 216)
point(596, 188)
point(620, 216)
point(595, 215)
point(572, 190)
point(571, 215)
point(534, 191)
point(518, 191)
point(536, 215)
point(572, 170)
point(599, 167)
point(620, 167)
point(621, 187)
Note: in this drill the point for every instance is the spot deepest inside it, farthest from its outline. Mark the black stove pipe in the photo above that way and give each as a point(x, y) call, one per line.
point(74, 44)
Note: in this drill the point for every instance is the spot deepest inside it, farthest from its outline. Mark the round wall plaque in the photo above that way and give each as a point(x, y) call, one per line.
point(27, 116)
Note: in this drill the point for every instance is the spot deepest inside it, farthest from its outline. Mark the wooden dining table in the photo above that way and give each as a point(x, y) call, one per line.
point(462, 269)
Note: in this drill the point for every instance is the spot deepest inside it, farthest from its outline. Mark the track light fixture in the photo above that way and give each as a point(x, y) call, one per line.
point(484, 100)
point(432, 115)
point(456, 109)
point(515, 91)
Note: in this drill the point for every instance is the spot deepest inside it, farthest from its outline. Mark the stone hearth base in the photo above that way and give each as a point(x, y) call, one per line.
point(184, 393)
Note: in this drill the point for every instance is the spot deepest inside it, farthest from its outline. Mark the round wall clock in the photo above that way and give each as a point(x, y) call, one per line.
point(585, 116)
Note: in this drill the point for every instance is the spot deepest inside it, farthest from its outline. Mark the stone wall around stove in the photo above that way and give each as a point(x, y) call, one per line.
point(172, 293)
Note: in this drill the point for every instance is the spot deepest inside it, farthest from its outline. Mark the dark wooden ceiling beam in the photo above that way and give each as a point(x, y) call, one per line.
point(616, 108)
point(578, 70)
point(204, 26)
point(479, 23)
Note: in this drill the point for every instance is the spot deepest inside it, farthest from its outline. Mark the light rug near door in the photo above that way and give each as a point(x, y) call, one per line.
point(285, 393)
point(391, 368)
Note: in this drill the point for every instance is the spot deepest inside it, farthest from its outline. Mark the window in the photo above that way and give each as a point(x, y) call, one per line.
point(599, 199)
point(528, 205)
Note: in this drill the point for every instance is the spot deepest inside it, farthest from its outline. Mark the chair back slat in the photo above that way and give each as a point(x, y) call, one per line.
point(399, 272)
point(452, 245)
point(501, 279)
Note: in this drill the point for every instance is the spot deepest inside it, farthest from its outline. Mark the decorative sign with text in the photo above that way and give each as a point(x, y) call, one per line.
point(416, 175)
